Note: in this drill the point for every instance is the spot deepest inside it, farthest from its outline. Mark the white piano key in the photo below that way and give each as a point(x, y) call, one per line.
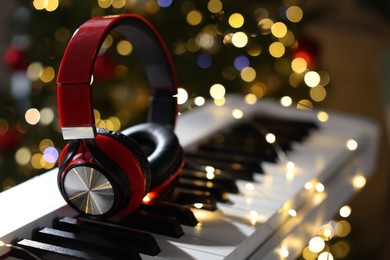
point(190, 247)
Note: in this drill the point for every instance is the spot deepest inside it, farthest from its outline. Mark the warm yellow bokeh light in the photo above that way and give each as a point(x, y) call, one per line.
point(46, 74)
point(299, 65)
point(104, 3)
point(318, 93)
point(32, 116)
point(239, 39)
point(34, 70)
point(237, 113)
point(286, 101)
point(124, 48)
point(250, 99)
point(48, 5)
point(345, 211)
point(343, 228)
point(359, 181)
point(322, 116)
point(248, 74)
point(23, 156)
point(312, 78)
point(236, 20)
point(194, 17)
point(316, 244)
point(118, 3)
point(276, 49)
point(217, 91)
point(215, 6)
point(279, 29)
point(294, 14)
point(305, 104)
point(265, 25)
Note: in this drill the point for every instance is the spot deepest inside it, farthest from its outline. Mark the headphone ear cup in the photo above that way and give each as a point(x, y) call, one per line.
point(162, 148)
point(135, 149)
point(132, 162)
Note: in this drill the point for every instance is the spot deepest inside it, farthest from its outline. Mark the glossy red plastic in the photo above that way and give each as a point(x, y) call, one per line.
point(77, 66)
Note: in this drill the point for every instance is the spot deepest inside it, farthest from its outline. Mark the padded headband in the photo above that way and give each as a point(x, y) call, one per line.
point(74, 92)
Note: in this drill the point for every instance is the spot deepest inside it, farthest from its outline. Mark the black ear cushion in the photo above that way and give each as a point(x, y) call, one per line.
point(162, 148)
point(134, 148)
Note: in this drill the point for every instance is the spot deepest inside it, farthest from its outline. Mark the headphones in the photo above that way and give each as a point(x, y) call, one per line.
point(103, 173)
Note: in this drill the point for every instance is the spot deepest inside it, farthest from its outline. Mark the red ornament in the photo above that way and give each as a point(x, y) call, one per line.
point(309, 51)
point(16, 59)
point(10, 139)
point(103, 70)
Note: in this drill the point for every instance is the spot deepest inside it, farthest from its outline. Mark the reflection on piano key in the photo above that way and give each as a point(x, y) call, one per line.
point(243, 197)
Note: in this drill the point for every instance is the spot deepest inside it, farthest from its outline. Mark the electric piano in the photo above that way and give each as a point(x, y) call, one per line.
point(239, 196)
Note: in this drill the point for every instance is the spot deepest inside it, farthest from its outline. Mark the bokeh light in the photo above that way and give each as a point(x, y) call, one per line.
point(236, 20)
point(217, 91)
point(239, 39)
point(294, 14)
point(194, 17)
point(215, 6)
point(32, 116)
point(182, 96)
point(312, 78)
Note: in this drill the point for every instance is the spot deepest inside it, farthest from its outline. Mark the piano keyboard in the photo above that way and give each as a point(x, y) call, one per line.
point(239, 197)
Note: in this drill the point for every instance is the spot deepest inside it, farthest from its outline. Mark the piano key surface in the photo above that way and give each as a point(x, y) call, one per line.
point(256, 222)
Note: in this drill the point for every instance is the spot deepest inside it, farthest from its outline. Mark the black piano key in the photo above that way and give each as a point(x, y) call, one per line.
point(48, 251)
point(216, 190)
point(182, 213)
point(238, 170)
point(114, 234)
point(151, 222)
point(192, 198)
point(231, 152)
point(194, 171)
point(85, 243)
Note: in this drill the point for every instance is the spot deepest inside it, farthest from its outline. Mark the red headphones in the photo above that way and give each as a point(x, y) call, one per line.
point(103, 173)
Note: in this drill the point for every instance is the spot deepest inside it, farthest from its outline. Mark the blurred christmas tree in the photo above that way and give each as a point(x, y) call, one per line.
point(251, 47)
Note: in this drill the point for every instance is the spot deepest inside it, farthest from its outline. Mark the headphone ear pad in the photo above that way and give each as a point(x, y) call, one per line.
point(162, 148)
point(132, 161)
point(134, 148)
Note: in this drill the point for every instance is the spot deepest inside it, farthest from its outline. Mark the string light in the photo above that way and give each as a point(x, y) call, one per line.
point(351, 144)
point(199, 101)
point(284, 252)
point(316, 244)
point(292, 212)
point(182, 96)
point(322, 116)
point(237, 113)
point(345, 211)
point(217, 91)
point(250, 99)
point(270, 138)
point(198, 205)
point(359, 181)
point(286, 101)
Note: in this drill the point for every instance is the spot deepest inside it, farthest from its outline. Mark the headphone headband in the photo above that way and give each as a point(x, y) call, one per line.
point(74, 92)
